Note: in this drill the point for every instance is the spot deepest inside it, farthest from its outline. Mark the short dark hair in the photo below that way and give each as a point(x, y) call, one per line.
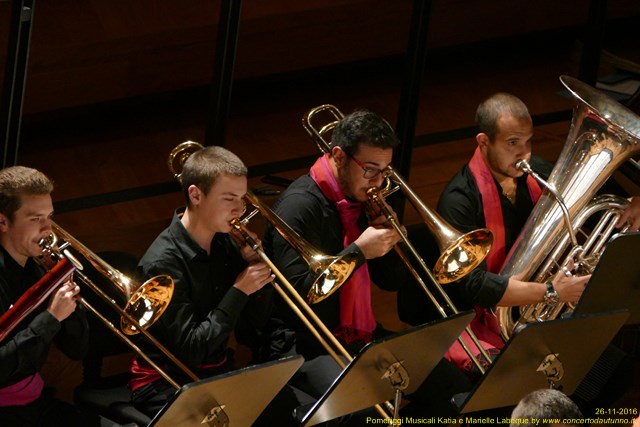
point(203, 168)
point(363, 127)
point(497, 105)
point(547, 404)
point(16, 181)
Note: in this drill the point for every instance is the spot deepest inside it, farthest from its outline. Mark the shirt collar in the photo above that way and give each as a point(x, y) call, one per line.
point(7, 262)
point(183, 239)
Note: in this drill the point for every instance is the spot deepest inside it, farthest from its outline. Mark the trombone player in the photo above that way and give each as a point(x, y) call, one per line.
point(328, 208)
point(25, 218)
point(219, 286)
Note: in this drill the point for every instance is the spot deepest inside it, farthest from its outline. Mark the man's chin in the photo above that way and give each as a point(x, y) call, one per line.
point(361, 199)
point(362, 196)
point(36, 254)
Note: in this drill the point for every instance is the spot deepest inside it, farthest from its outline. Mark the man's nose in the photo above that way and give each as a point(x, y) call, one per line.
point(377, 181)
point(46, 225)
point(239, 208)
point(525, 151)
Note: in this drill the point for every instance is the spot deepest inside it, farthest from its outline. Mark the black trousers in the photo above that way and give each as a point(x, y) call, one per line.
point(47, 411)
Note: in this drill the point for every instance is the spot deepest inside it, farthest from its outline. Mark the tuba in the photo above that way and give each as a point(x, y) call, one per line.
point(603, 135)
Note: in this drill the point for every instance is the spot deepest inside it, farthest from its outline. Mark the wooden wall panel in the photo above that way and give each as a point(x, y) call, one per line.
point(93, 51)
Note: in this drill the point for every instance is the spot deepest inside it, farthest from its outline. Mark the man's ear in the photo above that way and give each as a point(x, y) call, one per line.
point(338, 155)
point(482, 139)
point(4, 222)
point(195, 195)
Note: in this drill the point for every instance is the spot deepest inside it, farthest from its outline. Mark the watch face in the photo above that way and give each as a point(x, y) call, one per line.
point(551, 297)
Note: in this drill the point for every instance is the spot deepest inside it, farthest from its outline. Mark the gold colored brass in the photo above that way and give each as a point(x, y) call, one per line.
point(331, 271)
point(460, 253)
point(143, 304)
point(179, 155)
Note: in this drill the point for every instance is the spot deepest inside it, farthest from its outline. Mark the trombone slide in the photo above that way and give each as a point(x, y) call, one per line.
point(35, 296)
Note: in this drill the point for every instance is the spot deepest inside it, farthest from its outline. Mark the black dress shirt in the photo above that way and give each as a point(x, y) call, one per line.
point(205, 308)
point(24, 351)
point(460, 204)
point(303, 207)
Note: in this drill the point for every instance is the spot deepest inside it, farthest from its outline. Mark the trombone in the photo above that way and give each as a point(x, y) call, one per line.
point(145, 302)
point(331, 271)
point(460, 253)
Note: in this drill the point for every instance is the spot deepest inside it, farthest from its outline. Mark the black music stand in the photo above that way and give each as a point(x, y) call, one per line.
point(404, 359)
point(556, 353)
point(234, 399)
point(615, 283)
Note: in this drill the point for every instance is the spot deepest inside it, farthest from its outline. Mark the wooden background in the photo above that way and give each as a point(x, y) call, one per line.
point(113, 86)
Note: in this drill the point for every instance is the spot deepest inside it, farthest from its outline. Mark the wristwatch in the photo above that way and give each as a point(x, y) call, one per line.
point(551, 296)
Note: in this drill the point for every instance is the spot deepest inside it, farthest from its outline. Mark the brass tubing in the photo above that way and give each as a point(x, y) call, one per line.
point(127, 341)
point(374, 195)
point(237, 224)
point(142, 330)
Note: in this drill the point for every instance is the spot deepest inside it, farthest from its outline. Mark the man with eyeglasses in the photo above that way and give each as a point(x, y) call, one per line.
point(328, 207)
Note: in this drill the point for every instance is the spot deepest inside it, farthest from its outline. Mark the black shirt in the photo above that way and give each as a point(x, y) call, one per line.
point(460, 205)
point(303, 207)
point(205, 308)
point(24, 351)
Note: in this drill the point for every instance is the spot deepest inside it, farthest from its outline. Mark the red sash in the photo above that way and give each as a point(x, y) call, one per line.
point(485, 325)
point(23, 392)
point(142, 375)
point(357, 320)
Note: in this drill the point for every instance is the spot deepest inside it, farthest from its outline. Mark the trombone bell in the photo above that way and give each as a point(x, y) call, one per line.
point(147, 303)
point(337, 271)
point(332, 271)
point(144, 303)
point(463, 255)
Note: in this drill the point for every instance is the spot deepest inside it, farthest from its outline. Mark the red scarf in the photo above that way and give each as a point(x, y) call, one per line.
point(484, 325)
point(493, 208)
point(357, 321)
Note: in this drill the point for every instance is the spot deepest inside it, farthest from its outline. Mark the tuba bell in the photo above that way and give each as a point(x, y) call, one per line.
point(603, 135)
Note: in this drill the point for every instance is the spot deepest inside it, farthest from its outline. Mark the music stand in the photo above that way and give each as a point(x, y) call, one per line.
point(233, 399)
point(615, 283)
point(556, 353)
point(409, 355)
